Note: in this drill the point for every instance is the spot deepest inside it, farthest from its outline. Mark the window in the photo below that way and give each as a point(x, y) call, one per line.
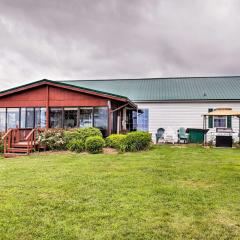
point(40, 117)
point(220, 122)
point(12, 118)
point(86, 117)
point(56, 117)
point(70, 117)
point(2, 119)
point(101, 119)
point(143, 116)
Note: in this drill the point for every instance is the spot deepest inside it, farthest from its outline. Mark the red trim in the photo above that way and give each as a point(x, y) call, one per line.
point(76, 89)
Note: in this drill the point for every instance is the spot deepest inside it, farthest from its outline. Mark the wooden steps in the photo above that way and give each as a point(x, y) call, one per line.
point(12, 155)
point(18, 142)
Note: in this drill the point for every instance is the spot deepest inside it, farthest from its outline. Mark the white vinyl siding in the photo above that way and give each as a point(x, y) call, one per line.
point(187, 115)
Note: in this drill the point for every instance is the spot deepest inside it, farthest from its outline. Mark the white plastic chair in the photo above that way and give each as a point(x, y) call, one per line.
point(170, 136)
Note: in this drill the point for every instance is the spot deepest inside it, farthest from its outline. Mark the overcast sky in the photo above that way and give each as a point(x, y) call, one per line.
point(93, 39)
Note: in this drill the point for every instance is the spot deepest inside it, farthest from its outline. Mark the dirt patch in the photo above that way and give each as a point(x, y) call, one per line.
point(105, 151)
point(110, 151)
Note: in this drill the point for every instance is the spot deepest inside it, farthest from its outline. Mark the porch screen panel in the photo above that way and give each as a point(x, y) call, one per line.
point(40, 117)
point(86, 117)
point(56, 117)
point(12, 118)
point(23, 117)
point(2, 119)
point(29, 117)
point(70, 117)
point(101, 119)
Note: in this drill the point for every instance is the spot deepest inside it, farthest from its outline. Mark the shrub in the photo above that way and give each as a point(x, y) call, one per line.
point(1, 142)
point(82, 134)
point(76, 145)
point(137, 141)
point(94, 144)
point(52, 139)
point(1, 148)
point(116, 141)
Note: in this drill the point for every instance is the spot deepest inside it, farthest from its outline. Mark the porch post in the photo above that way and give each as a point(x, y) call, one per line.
point(239, 129)
point(118, 121)
point(47, 107)
point(109, 118)
point(204, 127)
point(124, 119)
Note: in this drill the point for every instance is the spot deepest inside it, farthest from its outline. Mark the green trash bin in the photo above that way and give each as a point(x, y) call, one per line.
point(196, 135)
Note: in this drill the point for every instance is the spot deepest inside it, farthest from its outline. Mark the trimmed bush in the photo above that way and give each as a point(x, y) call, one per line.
point(52, 139)
point(82, 134)
point(94, 144)
point(76, 145)
point(116, 141)
point(137, 141)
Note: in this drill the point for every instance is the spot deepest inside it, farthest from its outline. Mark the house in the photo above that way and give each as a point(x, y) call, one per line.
point(121, 104)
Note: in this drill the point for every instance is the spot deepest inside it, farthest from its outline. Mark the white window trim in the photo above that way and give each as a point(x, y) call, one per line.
point(218, 117)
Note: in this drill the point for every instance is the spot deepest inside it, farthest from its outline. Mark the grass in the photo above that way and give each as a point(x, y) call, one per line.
point(165, 193)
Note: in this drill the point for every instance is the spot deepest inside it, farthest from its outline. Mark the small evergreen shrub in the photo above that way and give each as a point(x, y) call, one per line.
point(94, 144)
point(76, 145)
point(82, 134)
point(52, 139)
point(116, 141)
point(137, 141)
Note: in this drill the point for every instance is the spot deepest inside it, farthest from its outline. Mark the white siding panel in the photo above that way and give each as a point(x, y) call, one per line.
point(187, 115)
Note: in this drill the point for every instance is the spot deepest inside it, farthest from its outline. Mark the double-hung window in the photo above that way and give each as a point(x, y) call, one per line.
point(220, 122)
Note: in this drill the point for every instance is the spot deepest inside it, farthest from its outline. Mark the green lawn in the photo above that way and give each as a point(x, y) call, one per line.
point(165, 193)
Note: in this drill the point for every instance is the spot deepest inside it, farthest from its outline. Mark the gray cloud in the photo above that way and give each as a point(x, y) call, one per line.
point(82, 39)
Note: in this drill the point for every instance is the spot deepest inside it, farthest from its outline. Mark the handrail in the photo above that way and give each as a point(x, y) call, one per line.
point(30, 134)
point(6, 134)
point(7, 140)
point(30, 140)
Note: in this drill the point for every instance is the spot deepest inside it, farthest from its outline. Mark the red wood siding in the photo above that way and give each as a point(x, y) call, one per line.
point(64, 97)
point(35, 97)
point(58, 97)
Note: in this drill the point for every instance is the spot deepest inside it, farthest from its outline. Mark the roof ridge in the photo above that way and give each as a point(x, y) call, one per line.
point(153, 78)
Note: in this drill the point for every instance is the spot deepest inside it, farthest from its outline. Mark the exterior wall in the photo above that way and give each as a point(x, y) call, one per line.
point(35, 97)
point(58, 97)
point(187, 115)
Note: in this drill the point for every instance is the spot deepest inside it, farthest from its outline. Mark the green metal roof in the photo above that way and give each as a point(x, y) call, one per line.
point(63, 84)
point(168, 89)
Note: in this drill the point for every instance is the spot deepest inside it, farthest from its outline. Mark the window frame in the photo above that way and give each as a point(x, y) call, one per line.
point(144, 111)
point(220, 117)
